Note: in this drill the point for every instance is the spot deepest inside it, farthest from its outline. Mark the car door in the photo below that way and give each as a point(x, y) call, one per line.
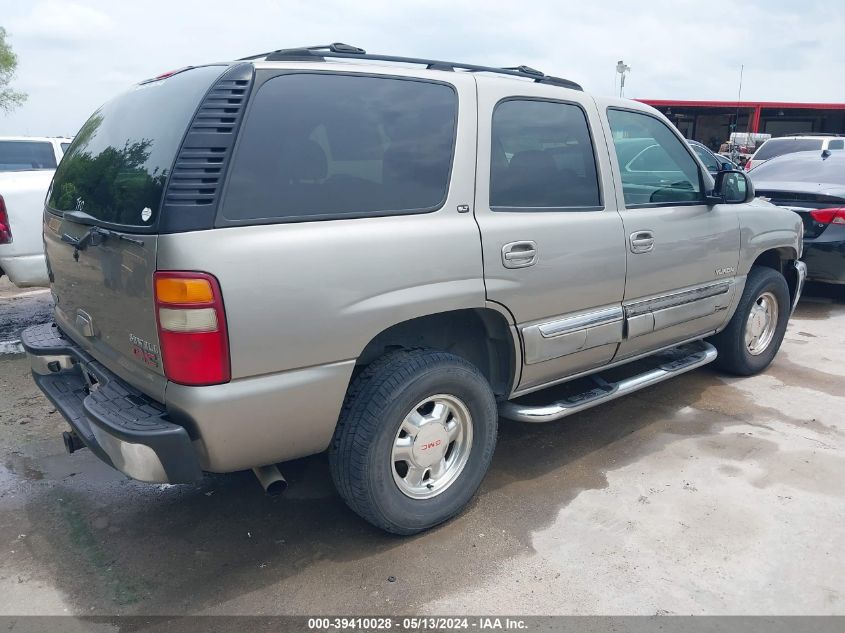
point(551, 235)
point(682, 252)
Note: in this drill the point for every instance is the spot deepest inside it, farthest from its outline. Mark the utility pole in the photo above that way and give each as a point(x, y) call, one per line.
point(739, 94)
point(622, 68)
point(734, 128)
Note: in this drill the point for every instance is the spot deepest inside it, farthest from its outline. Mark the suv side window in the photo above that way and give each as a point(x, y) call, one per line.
point(836, 144)
point(655, 165)
point(542, 157)
point(324, 146)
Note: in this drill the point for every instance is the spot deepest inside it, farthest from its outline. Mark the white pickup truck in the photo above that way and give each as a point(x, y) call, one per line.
point(27, 164)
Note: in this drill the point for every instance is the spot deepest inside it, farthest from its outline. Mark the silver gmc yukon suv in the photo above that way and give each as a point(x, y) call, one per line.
point(319, 249)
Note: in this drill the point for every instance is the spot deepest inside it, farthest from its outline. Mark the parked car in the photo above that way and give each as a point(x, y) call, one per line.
point(794, 143)
point(712, 161)
point(27, 164)
point(813, 185)
point(445, 241)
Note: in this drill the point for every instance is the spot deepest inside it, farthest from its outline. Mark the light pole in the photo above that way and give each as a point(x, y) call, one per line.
point(622, 68)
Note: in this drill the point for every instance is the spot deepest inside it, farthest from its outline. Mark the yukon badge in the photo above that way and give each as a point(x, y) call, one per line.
point(725, 271)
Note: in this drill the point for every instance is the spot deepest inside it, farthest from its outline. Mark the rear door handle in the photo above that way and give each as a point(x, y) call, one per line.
point(642, 241)
point(519, 254)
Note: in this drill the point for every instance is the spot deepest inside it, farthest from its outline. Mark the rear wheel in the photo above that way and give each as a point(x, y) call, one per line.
point(414, 439)
point(755, 332)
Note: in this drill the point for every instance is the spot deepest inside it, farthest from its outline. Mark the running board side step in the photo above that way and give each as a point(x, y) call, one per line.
point(677, 361)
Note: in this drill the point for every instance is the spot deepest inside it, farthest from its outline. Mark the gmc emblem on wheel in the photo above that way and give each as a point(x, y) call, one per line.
point(425, 447)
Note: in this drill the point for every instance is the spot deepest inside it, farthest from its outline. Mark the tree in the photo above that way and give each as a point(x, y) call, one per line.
point(9, 99)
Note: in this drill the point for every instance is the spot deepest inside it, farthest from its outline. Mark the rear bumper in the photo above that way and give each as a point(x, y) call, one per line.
point(825, 260)
point(122, 426)
point(25, 270)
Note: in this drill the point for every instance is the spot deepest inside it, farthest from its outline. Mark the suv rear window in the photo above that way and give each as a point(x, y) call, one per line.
point(780, 146)
point(26, 155)
point(322, 146)
point(118, 163)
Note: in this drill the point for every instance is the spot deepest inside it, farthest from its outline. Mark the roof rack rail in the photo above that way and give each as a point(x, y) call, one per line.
point(345, 51)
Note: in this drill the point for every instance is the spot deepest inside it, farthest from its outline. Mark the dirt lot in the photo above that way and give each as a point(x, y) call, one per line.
point(705, 494)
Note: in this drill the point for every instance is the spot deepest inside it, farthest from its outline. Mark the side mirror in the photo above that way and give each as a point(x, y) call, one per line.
point(732, 187)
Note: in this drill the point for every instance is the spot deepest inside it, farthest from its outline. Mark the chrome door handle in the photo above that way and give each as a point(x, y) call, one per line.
point(642, 241)
point(519, 254)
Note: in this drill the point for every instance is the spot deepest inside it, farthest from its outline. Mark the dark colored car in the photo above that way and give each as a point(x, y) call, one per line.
point(712, 161)
point(813, 185)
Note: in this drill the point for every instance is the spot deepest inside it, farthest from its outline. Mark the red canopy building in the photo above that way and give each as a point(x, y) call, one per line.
point(711, 122)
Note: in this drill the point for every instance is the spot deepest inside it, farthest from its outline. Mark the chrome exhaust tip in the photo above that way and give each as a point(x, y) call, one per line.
point(271, 479)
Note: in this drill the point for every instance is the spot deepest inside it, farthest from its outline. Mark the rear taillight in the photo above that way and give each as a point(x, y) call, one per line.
point(5, 228)
point(191, 328)
point(829, 216)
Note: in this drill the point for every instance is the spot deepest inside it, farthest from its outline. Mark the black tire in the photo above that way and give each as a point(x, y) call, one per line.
point(734, 356)
point(360, 455)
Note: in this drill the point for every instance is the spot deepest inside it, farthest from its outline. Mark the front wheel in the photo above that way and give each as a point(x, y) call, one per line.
point(755, 332)
point(414, 440)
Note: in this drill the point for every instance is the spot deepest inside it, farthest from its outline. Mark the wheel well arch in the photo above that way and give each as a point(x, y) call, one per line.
point(482, 336)
point(780, 259)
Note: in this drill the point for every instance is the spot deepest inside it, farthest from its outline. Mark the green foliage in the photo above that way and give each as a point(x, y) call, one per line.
point(112, 184)
point(9, 99)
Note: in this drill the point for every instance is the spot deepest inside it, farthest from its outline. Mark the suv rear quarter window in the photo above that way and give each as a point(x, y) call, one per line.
point(324, 146)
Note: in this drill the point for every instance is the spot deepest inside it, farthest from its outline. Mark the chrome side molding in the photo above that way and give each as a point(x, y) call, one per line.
point(574, 333)
point(677, 299)
point(582, 321)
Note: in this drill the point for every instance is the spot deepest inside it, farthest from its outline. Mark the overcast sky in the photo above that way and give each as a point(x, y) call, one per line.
point(74, 55)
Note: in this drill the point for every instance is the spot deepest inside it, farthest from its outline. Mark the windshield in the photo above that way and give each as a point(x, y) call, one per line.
point(812, 169)
point(117, 166)
point(26, 155)
point(780, 146)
